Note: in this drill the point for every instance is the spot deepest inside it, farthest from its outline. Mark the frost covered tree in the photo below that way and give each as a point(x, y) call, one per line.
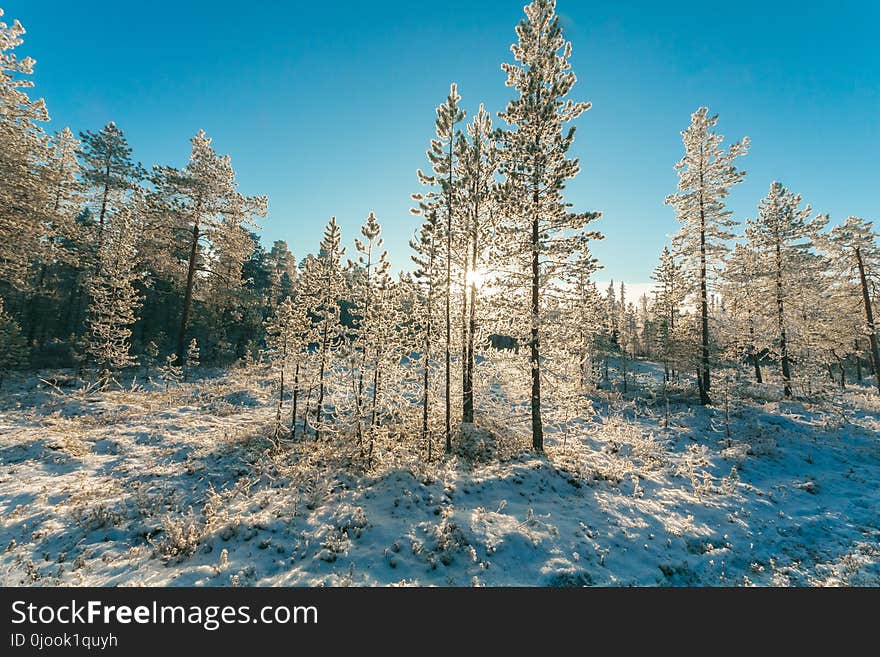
point(282, 272)
point(62, 247)
point(150, 358)
point(442, 156)
point(191, 359)
point(372, 286)
point(706, 173)
point(584, 317)
point(323, 286)
point(107, 169)
point(744, 324)
point(202, 223)
point(478, 164)
point(169, 371)
point(627, 333)
point(668, 297)
point(427, 279)
point(114, 298)
point(542, 235)
point(286, 331)
point(855, 258)
point(782, 236)
point(23, 192)
point(379, 342)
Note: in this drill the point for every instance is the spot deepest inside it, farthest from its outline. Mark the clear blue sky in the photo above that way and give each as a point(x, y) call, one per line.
point(328, 107)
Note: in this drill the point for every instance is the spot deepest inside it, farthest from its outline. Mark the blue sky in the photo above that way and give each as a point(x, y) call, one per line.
point(328, 107)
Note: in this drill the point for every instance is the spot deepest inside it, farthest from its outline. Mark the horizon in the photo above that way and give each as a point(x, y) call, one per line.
point(809, 107)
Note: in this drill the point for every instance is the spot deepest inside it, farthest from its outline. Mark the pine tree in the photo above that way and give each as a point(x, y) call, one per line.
point(282, 272)
point(585, 316)
point(743, 323)
point(668, 298)
point(371, 285)
point(61, 245)
point(201, 201)
point(542, 233)
point(191, 359)
point(855, 256)
point(478, 163)
point(24, 199)
point(108, 169)
point(323, 286)
point(442, 155)
point(782, 236)
point(150, 358)
point(426, 278)
point(285, 335)
point(114, 299)
point(169, 371)
point(706, 174)
point(380, 333)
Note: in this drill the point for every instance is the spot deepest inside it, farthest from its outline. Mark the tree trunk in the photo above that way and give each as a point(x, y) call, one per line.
point(535, 356)
point(425, 382)
point(858, 361)
point(468, 392)
point(293, 401)
point(448, 300)
point(319, 410)
point(308, 411)
point(464, 340)
point(377, 377)
point(105, 194)
point(756, 359)
point(187, 297)
point(360, 386)
point(280, 403)
point(780, 317)
point(704, 307)
point(869, 317)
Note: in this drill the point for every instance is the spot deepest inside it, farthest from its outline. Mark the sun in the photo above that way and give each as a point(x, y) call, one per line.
point(477, 276)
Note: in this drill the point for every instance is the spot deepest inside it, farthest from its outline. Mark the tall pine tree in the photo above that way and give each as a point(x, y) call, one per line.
point(705, 175)
point(534, 162)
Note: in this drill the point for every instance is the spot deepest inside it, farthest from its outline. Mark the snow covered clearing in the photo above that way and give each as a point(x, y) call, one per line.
point(185, 487)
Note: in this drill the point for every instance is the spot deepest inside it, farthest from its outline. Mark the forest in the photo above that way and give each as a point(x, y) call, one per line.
point(181, 405)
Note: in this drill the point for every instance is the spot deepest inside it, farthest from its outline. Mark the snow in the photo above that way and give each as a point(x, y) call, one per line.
point(148, 487)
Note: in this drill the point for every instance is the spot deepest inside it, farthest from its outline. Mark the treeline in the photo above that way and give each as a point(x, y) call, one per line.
point(106, 266)
point(782, 290)
point(102, 260)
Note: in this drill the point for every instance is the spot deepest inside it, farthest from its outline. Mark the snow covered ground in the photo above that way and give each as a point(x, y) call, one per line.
point(183, 488)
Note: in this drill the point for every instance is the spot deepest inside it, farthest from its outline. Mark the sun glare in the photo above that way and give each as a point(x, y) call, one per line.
point(476, 276)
